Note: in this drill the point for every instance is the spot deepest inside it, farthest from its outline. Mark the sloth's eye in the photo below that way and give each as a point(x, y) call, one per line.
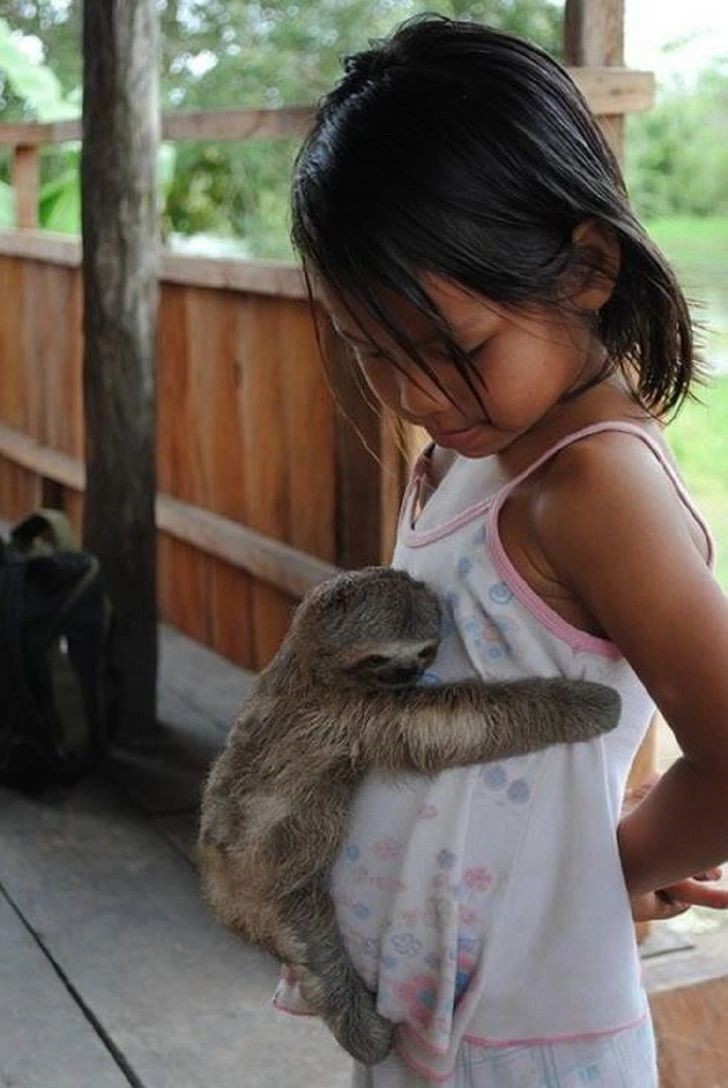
point(375, 659)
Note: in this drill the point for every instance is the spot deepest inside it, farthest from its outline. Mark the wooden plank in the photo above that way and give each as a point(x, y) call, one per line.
point(245, 124)
point(691, 1025)
point(53, 356)
point(225, 124)
point(184, 1002)
point(265, 456)
point(308, 419)
point(594, 32)
point(41, 245)
point(19, 490)
point(358, 449)
point(278, 278)
point(594, 35)
point(271, 560)
point(45, 1038)
point(26, 185)
point(13, 377)
point(26, 451)
point(33, 134)
point(237, 124)
point(281, 278)
point(612, 91)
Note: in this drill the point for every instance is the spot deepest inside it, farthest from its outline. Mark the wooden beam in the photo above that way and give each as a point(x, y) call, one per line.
point(594, 32)
point(617, 86)
point(237, 124)
point(230, 124)
point(594, 36)
point(611, 91)
point(284, 567)
point(281, 279)
point(26, 185)
point(120, 257)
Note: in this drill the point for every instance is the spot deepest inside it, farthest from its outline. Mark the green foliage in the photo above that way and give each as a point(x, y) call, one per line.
point(699, 440)
point(221, 53)
point(35, 84)
point(677, 154)
point(7, 205)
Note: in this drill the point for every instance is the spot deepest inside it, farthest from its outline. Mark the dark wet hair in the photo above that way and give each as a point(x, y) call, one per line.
point(455, 149)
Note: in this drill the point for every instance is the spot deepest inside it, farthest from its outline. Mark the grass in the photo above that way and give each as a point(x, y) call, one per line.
point(698, 249)
point(699, 439)
point(683, 237)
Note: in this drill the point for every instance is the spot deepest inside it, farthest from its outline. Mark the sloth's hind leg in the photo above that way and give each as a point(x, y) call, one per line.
point(311, 944)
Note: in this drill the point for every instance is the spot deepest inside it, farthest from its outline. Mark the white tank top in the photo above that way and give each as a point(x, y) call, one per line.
point(487, 903)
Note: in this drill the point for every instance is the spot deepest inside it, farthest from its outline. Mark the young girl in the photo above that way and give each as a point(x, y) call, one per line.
point(466, 226)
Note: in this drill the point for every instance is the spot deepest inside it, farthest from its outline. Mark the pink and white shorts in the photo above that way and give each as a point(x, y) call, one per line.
point(626, 1059)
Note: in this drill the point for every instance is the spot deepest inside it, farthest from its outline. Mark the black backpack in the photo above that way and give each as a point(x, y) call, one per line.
point(56, 684)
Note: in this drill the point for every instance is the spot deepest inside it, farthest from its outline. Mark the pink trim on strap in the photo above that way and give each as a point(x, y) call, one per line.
point(417, 538)
point(491, 506)
point(576, 638)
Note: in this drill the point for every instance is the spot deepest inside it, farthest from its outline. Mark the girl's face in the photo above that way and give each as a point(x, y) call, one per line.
point(524, 361)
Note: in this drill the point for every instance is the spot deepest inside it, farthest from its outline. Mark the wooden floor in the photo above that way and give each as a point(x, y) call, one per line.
point(692, 1029)
point(112, 973)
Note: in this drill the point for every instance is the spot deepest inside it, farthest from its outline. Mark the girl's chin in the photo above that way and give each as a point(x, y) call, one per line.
point(478, 441)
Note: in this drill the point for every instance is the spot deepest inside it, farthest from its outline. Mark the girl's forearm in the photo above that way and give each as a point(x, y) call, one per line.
point(678, 831)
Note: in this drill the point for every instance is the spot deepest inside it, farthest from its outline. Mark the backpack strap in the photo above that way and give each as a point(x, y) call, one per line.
point(53, 524)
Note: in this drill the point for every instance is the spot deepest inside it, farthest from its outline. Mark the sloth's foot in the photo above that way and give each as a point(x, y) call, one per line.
point(362, 1031)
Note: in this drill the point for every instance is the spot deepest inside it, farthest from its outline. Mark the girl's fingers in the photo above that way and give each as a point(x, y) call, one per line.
point(696, 894)
point(709, 874)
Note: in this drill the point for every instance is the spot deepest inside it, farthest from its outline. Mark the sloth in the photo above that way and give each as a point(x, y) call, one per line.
point(339, 698)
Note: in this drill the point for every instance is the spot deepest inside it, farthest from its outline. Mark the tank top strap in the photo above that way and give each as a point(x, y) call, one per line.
point(606, 426)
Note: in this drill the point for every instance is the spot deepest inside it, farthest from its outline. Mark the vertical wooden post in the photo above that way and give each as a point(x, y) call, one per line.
point(26, 185)
point(120, 256)
point(594, 37)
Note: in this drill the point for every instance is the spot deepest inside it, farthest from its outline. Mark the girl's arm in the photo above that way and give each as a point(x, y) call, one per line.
point(612, 527)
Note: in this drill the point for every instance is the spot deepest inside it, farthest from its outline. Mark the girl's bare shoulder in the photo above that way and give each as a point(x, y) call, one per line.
point(613, 485)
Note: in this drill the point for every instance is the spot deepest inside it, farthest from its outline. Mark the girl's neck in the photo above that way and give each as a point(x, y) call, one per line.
point(609, 400)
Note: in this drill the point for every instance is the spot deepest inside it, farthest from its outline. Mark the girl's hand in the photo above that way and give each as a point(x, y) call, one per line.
point(677, 898)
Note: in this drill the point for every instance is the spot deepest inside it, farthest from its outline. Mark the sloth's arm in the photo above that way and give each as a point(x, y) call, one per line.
point(432, 728)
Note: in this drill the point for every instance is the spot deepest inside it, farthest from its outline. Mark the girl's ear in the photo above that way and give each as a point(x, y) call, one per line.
point(597, 256)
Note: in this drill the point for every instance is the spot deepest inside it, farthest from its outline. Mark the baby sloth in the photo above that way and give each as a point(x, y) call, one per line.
point(338, 699)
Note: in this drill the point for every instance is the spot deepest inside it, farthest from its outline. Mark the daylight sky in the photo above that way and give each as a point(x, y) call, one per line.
point(650, 24)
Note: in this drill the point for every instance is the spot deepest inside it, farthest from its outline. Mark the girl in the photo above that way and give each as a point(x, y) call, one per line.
point(466, 226)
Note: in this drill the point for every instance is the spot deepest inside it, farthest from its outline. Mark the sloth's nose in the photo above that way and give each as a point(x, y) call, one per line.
point(403, 674)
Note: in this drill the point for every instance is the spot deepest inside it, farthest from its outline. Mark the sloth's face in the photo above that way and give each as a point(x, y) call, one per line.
point(372, 628)
point(393, 666)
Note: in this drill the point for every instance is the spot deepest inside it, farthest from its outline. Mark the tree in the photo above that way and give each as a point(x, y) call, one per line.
point(221, 53)
point(677, 153)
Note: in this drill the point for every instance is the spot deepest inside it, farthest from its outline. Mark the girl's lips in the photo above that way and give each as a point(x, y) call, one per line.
point(446, 437)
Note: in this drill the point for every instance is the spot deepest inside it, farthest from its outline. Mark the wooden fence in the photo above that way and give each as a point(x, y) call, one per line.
point(263, 487)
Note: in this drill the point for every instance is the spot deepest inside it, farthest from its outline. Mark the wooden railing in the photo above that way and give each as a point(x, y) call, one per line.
point(264, 488)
